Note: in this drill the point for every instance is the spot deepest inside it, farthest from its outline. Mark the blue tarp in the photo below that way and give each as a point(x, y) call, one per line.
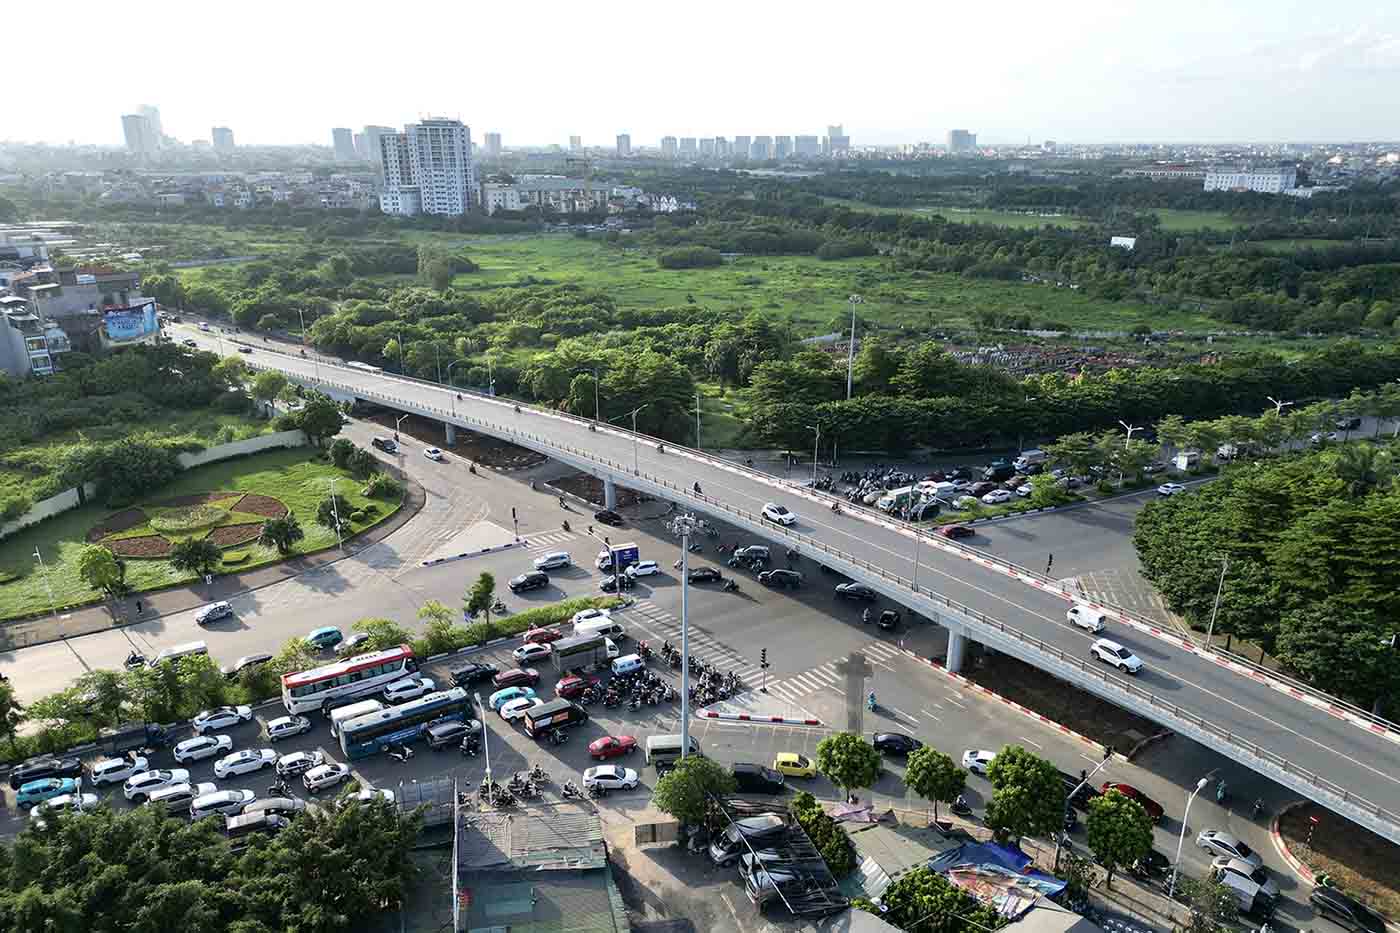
point(997, 875)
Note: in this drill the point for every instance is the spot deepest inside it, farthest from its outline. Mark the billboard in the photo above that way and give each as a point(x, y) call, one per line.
point(133, 323)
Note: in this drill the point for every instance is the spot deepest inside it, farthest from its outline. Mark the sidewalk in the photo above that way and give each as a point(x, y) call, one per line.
point(98, 617)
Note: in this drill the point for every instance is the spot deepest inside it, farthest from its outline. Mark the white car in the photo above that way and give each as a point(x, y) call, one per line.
point(1110, 652)
point(221, 718)
point(643, 568)
point(592, 615)
point(432, 453)
point(1086, 617)
point(1218, 843)
point(203, 746)
point(531, 652)
point(964, 502)
point(997, 497)
point(284, 727)
point(62, 803)
point(326, 775)
point(299, 763)
point(610, 777)
point(244, 762)
point(225, 802)
point(515, 709)
point(1170, 489)
point(138, 787)
point(351, 643)
point(365, 795)
point(410, 688)
point(115, 770)
point(1225, 865)
point(553, 560)
point(978, 760)
point(777, 513)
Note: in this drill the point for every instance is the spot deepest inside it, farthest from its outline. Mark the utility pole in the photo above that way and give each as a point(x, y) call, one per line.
point(851, 348)
point(1130, 428)
point(697, 420)
point(48, 583)
point(818, 429)
point(1278, 406)
point(687, 527)
point(1224, 566)
point(335, 511)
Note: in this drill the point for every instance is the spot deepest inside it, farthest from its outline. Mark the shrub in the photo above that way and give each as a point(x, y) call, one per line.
point(826, 834)
point(689, 257)
point(383, 486)
point(340, 451)
point(234, 558)
point(188, 519)
point(357, 517)
point(15, 507)
point(370, 509)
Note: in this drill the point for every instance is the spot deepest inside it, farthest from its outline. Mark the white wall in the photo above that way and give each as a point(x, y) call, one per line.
point(47, 508)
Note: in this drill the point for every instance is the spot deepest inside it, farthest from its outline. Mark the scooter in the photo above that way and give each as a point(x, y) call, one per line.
point(401, 754)
point(870, 703)
point(135, 660)
point(566, 526)
point(1221, 793)
point(961, 807)
point(471, 746)
point(730, 586)
point(835, 508)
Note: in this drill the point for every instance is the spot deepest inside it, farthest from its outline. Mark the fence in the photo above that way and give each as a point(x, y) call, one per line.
point(48, 508)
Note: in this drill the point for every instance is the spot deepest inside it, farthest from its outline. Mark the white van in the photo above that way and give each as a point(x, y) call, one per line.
point(1087, 618)
point(605, 627)
point(627, 664)
point(180, 651)
point(895, 499)
point(665, 750)
point(1249, 895)
point(553, 560)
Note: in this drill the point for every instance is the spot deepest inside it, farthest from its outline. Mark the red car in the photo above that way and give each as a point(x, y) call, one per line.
point(573, 686)
point(542, 636)
point(956, 531)
point(612, 746)
point(517, 677)
point(1153, 808)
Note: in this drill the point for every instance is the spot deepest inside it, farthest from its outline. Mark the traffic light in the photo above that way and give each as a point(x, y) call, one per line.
point(763, 658)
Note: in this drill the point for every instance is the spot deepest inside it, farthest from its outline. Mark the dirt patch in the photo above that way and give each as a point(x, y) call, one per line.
point(1362, 863)
point(196, 498)
point(116, 523)
point(266, 506)
point(590, 489)
point(234, 535)
point(1064, 703)
point(477, 448)
point(144, 546)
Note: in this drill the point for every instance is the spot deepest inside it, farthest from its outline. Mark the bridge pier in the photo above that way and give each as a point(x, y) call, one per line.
point(609, 493)
point(957, 647)
point(451, 433)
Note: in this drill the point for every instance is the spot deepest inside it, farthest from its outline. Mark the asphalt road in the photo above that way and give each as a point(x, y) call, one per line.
point(1310, 738)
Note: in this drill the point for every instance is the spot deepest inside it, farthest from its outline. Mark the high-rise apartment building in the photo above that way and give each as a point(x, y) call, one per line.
point(961, 142)
point(668, 147)
point(141, 139)
point(624, 144)
point(807, 146)
point(741, 147)
point(837, 142)
point(222, 138)
point(721, 147)
point(575, 143)
point(152, 115)
point(707, 148)
point(782, 147)
point(688, 149)
point(493, 145)
point(343, 141)
point(761, 148)
point(428, 169)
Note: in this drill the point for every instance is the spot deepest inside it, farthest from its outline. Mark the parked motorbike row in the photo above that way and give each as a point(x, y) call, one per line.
point(637, 688)
point(571, 791)
point(861, 483)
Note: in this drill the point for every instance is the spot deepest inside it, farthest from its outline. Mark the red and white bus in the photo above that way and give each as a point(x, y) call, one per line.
point(362, 674)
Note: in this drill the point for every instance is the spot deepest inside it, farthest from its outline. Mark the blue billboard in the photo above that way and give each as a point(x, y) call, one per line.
point(131, 323)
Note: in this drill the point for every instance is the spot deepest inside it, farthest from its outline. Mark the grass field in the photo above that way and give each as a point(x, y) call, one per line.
point(1172, 220)
point(1181, 221)
point(294, 477)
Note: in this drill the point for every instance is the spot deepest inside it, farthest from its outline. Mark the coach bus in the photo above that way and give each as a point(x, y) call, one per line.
point(398, 725)
point(364, 367)
point(361, 675)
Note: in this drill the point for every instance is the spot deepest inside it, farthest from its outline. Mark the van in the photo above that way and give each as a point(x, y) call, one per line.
point(177, 797)
point(1087, 618)
point(556, 714)
point(1030, 458)
point(665, 750)
point(1248, 895)
point(188, 649)
point(757, 779)
point(627, 664)
point(753, 552)
point(895, 499)
point(1188, 459)
point(605, 627)
point(247, 824)
point(756, 831)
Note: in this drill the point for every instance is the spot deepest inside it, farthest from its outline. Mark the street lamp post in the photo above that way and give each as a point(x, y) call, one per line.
point(1278, 406)
point(597, 409)
point(437, 352)
point(686, 524)
point(1176, 866)
point(815, 445)
point(315, 360)
point(1069, 801)
point(48, 582)
point(485, 742)
point(633, 415)
point(335, 511)
point(1224, 566)
point(851, 348)
point(449, 384)
point(697, 420)
point(398, 421)
point(1130, 428)
point(402, 371)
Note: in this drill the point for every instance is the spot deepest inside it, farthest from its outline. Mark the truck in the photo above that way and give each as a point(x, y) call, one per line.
point(1030, 458)
point(627, 555)
point(130, 736)
point(583, 651)
point(896, 499)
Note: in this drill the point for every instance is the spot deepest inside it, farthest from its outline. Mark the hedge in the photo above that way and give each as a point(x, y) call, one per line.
point(826, 834)
point(478, 633)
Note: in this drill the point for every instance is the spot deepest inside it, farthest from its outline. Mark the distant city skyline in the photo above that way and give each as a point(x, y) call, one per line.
point(1282, 70)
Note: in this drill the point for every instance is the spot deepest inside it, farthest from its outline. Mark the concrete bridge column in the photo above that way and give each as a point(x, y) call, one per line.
point(451, 433)
point(957, 647)
point(609, 493)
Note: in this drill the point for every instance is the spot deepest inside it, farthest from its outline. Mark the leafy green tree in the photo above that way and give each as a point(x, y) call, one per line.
point(848, 760)
point(319, 417)
point(1028, 797)
point(826, 834)
point(1362, 468)
point(361, 463)
point(1076, 451)
point(482, 596)
point(1213, 907)
point(1047, 491)
point(934, 776)
point(334, 513)
point(282, 533)
point(875, 366)
point(441, 632)
point(267, 385)
point(1173, 430)
point(105, 693)
point(383, 633)
point(1119, 831)
point(340, 450)
point(685, 791)
point(195, 555)
point(11, 713)
point(924, 901)
point(101, 570)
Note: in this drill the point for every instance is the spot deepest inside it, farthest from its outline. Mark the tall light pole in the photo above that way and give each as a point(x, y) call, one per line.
point(1069, 800)
point(686, 525)
point(399, 334)
point(1176, 866)
point(437, 352)
point(490, 377)
point(1021, 435)
point(1130, 428)
point(315, 360)
point(1278, 406)
point(633, 415)
point(335, 511)
point(449, 384)
point(851, 348)
point(1224, 566)
point(48, 582)
point(485, 743)
point(697, 420)
point(815, 444)
point(597, 409)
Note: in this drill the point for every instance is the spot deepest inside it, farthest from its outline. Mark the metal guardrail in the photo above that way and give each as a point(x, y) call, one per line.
point(1075, 663)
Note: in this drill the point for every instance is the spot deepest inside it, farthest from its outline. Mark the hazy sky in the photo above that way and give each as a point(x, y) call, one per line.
point(537, 72)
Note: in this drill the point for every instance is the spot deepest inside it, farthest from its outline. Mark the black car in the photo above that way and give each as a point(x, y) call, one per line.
point(895, 743)
point(981, 489)
point(609, 583)
point(1081, 798)
point(957, 473)
point(704, 575)
point(956, 531)
point(1151, 867)
point(529, 581)
point(607, 517)
point(889, 620)
point(442, 734)
point(45, 766)
point(856, 591)
point(789, 578)
point(473, 672)
point(999, 471)
point(242, 664)
point(385, 444)
point(1346, 911)
point(1348, 424)
point(758, 779)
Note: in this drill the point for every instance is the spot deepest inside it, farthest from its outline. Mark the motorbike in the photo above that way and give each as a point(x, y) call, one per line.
point(538, 775)
point(870, 703)
point(835, 508)
point(135, 660)
point(471, 747)
point(566, 526)
point(498, 607)
point(570, 791)
point(962, 808)
point(279, 788)
point(401, 754)
point(661, 448)
point(677, 564)
point(865, 616)
point(697, 489)
point(596, 790)
point(696, 546)
point(730, 586)
point(558, 737)
point(1258, 809)
point(792, 555)
point(1221, 793)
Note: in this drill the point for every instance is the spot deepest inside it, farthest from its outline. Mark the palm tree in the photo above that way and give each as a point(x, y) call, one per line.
point(198, 555)
point(282, 533)
point(1363, 468)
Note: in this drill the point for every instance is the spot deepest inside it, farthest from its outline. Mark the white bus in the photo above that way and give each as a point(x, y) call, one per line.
point(364, 367)
point(307, 690)
point(176, 652)
point(345, 713)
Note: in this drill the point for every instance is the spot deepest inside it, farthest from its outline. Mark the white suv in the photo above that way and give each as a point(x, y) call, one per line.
point(777, 513)
point(115, 770)
point(1110, 652)
point(138, 787)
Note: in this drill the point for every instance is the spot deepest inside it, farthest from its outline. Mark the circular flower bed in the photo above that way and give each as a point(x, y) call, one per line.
point(186, 517)
point(182, 521)
point(145, 546)
point(234, 535)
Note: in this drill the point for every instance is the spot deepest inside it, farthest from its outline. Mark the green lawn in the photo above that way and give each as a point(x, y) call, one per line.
point(1292, 246)
point(294, 477)
point(968, 215)
point(1181, 221)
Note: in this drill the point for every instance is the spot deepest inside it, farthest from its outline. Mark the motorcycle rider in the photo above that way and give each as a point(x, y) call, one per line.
point(697, 489)
point(870, 700)
point(865, 615)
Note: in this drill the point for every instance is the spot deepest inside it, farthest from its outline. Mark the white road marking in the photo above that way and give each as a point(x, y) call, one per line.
point(930, 715)
point(1029, 742)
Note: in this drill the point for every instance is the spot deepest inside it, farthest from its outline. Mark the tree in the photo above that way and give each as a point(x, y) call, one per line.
point(232, 371)
point(925, 901)
point(334, 513)
point(482, 596)
point(319, 417)
point(195, 555)
point(282, 533)
point(1047, 491)
point(934, 776)
point(685, 791)
point(383, 633)
point(1214, 907)
point(1119, 831)
point(267, 385)
point(441, 631)
point(1076, 451)
point(361, 463)
point(11, 713)
point(101, 570)
point(340, 450)
point(848, 761)
point(1028, 796)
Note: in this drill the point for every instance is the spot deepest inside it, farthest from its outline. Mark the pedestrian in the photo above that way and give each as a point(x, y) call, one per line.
point(138, 607)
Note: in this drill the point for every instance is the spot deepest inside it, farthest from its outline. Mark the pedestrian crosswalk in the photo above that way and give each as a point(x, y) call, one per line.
point(827, 677)
point(548, 541)
point(664, 625)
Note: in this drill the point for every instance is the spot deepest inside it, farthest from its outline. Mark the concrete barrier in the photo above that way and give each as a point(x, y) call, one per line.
point(465, 554)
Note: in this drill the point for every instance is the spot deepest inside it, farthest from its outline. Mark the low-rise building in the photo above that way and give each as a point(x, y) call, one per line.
point(1273, 180)
point(552, 195)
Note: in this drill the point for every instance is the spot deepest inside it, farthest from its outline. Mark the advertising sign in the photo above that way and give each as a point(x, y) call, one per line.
point(124, 324)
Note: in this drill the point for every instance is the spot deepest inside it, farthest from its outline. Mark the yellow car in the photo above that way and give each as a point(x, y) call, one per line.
point(794, 765)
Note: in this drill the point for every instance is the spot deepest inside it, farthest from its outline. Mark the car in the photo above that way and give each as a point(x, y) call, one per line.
point(704, 575)
point(1153, 808)
point(542, 636)
point(244, 762)
point(349, 645)
point(516, 677)
point(574, 685)
point(284, 727)
point(502, 697)
point(245, 349)
point(1152, 866)
point(960, 472)
point(1346, 911)
point(1348, 424)
point(794, 765)
point(643, 568)
point(610, 777)
point(997, 497)
point(1170, 489)
point(516, 709)
point(956, 531)
point(410, 688)
point(784, 578)
point(591, 615)
point(531, 652)
point(1025, 490)
point(1078, 790)
point(533, 580)
point(450, 731)
point(115, 770)
point(977, 760)
point(190, 342)
point(474, 672)
point(1110, 652)
point(223, 802)
point(368, 794)
point(1224, 864)
point(553, 560)
point(895, 743)
point(857, 591)
point(750, 778)
point(432, 453)
point(1156, 466)
point(978, 490)
point(607, 517)
point(1221, 843)
point(385, 444)
point(612, 746)
point(1086, 617)
point(242, 664)
point(201, 747)
point(962, 503)
point(889, 620)
point(222, 717)
point(139, 787)
point(610, 583)
point(62, 804)
point(212, 613)
point(324, 776)
point(45, 789)
point(45, 766)
point(328, 636)
point(203, 326)
point(776, 513)
point(296, 763)
point(998, 470)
